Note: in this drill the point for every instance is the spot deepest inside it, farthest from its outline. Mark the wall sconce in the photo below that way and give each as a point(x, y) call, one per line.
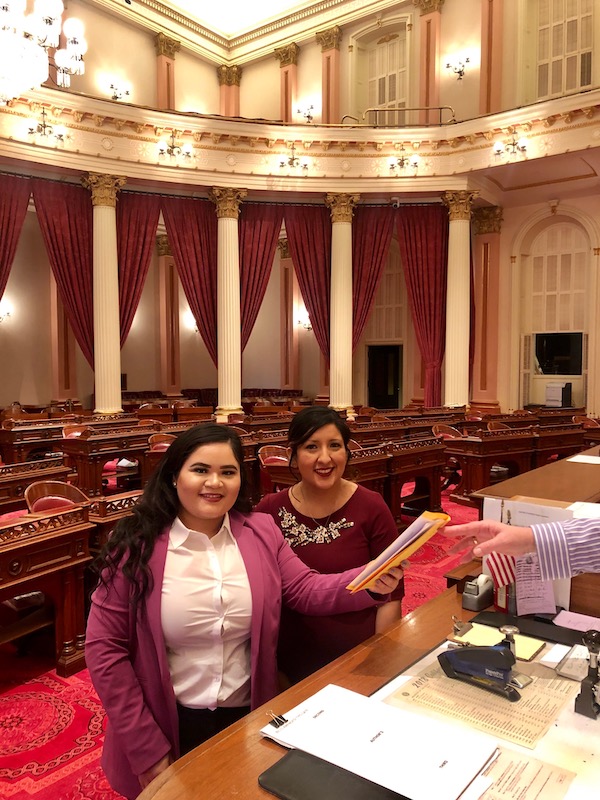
point(118, 92)
point(513, 147)
point(173, 150)
point(404, 161)
point(304, 319)
point(44, 129)
point(307, 114)
point(458, 67)
point(6, 309)
point(292, 160)
point(190, 321)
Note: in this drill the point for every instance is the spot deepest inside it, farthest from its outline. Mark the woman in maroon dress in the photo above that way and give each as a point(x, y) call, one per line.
point(332, 524)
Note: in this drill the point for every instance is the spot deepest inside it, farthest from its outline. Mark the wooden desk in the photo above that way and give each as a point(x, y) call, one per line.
point(556, 441)
point(477, 455)
point(228, 765)
point(421, 461)
point(15, 478)
point(49, 553)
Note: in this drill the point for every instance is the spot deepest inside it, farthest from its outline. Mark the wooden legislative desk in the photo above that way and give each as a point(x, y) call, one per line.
point(48, 553)
point(15, 478)
point(559, 440)
point(228, 765)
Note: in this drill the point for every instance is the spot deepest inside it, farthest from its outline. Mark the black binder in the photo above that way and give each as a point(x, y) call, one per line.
point(300, 776)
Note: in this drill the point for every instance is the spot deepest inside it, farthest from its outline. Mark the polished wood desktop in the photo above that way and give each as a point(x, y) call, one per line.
point(15, 478)
point(228, 765)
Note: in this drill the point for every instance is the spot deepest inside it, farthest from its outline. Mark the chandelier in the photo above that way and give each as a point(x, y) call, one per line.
point(25, 40)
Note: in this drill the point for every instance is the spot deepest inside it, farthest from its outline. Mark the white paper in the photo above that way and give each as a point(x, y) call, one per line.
point(577, 622)
point(581, 459)
point(534, 596)
point(403, 751)
point(583, 510)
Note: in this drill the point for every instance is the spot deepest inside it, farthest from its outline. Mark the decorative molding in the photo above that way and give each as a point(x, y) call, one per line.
point(487, 219)
point(341, 206)
point(227, 201)
point(229, 75)
point(284, 248)
point(459, 204)
point(163, 246)
point(329, 39)
point(104, 188)
point(165, 46)
point(428, 6)
point(287, 55)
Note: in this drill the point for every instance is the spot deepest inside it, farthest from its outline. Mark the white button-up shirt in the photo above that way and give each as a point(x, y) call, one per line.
point(206, 615)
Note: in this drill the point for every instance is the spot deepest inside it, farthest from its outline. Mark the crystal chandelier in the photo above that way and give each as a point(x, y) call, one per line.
point(26, 38)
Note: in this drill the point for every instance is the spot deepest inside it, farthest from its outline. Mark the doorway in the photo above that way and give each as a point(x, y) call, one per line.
point(384, 371)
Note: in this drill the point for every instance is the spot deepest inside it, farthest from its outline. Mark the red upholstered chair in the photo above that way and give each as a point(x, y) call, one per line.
point(73, 431)
point(452, 476)
point(445, 431)
point(497, 426)
point(160, 441)
point(587, 422)
point(53, 495)
point(354, 445)
point(270, 454)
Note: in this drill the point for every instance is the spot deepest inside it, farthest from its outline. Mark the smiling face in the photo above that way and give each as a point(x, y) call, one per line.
point(207, 487)
point(321, 459)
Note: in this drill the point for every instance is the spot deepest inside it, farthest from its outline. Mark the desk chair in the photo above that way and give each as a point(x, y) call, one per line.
point(497, 426)
point(354, 445)
point(587, 422)
point(53, 495)
point(73, 431)
point(452, 476)
point(160, 441)
point(270, 454)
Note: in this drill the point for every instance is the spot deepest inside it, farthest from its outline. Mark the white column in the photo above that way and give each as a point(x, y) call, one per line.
point(229, 341)
point(458, 300)
point(340, 319)
point(107, 344)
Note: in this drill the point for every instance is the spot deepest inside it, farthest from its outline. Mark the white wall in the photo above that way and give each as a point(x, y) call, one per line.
point(460, 35)
point(259, 90)
point(261, 360)
point(140, 353)
point(196, 85)
point(197, 368)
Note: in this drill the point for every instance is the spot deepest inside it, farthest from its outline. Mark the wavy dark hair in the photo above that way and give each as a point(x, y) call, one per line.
point(132, 542)
point(308, 421)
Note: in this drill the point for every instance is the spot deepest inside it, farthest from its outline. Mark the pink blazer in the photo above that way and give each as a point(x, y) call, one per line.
point(126, 655)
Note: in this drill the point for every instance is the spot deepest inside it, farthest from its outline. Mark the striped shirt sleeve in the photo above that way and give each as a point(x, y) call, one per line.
point(568, 548)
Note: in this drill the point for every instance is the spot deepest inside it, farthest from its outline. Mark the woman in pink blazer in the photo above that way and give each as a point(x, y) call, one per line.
point(182, 633)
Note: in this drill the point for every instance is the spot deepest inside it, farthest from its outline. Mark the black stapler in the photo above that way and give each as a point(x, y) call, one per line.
point(488, 667)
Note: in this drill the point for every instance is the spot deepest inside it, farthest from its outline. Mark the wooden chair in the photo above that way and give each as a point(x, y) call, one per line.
point(379, 418)
point(236, 417)
point(473, 416)
point(452, 476)
point(444, 431)
point(587, 422)
point(354, 445)
point(160, 441)
point(367, 411)
point(52, 495)
point(270, 454)
point(73, 431)
point(497, 426)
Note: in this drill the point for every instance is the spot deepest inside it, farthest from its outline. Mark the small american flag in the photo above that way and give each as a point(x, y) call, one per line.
point(502, 569)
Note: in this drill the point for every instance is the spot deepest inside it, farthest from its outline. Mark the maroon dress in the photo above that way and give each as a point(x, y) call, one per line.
point(350, 537)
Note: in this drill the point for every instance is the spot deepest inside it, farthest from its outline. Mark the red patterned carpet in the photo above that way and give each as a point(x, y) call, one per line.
point(51, 728)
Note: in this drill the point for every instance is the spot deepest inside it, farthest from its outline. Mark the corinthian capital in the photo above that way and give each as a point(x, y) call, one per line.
point(459, 204)
point(329, 39)
point(166, 46)
point(342, 206)
point(104, 188)
point(229, 75)
point(162, 245)
point(287, 55)
point(487, 219)
point(227, 201)
point(427, 6)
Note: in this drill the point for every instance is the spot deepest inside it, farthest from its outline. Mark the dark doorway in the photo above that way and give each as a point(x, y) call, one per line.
point(385, 369)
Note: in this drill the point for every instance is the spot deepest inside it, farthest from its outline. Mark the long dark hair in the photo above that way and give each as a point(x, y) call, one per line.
point(308, 421)
point(132, 542)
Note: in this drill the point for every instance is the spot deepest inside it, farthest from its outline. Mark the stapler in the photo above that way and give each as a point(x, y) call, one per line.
point(488, 667)
point(587, 701)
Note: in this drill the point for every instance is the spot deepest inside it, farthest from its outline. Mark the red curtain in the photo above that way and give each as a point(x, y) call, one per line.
point(372, 230)
point(308, 231)
point(64, 213)
point(192, 232)
point(14, 199)
point(137, 220)
point(259, 231)
point(423, 240)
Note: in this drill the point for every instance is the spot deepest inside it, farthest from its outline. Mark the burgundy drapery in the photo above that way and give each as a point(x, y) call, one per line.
point(137, 221)
point(64, 212)
point(372, 230)
point(423, 240)
point(192, 232)
point(308, 231)
point(14, 199)
point(258, 234)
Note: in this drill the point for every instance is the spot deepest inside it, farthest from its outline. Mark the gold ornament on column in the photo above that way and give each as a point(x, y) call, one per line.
point(329, 39)
point(227, 201)
point(487, 219)
point(162, 245)
point(104, 188)
point(284, 248)
point(229, 75)
point(428, 6)
point(287, 55)
point(341, 206)
point(166, 46)
point(459, 204)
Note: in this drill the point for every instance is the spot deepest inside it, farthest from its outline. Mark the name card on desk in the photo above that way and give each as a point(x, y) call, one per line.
point(406, 752)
